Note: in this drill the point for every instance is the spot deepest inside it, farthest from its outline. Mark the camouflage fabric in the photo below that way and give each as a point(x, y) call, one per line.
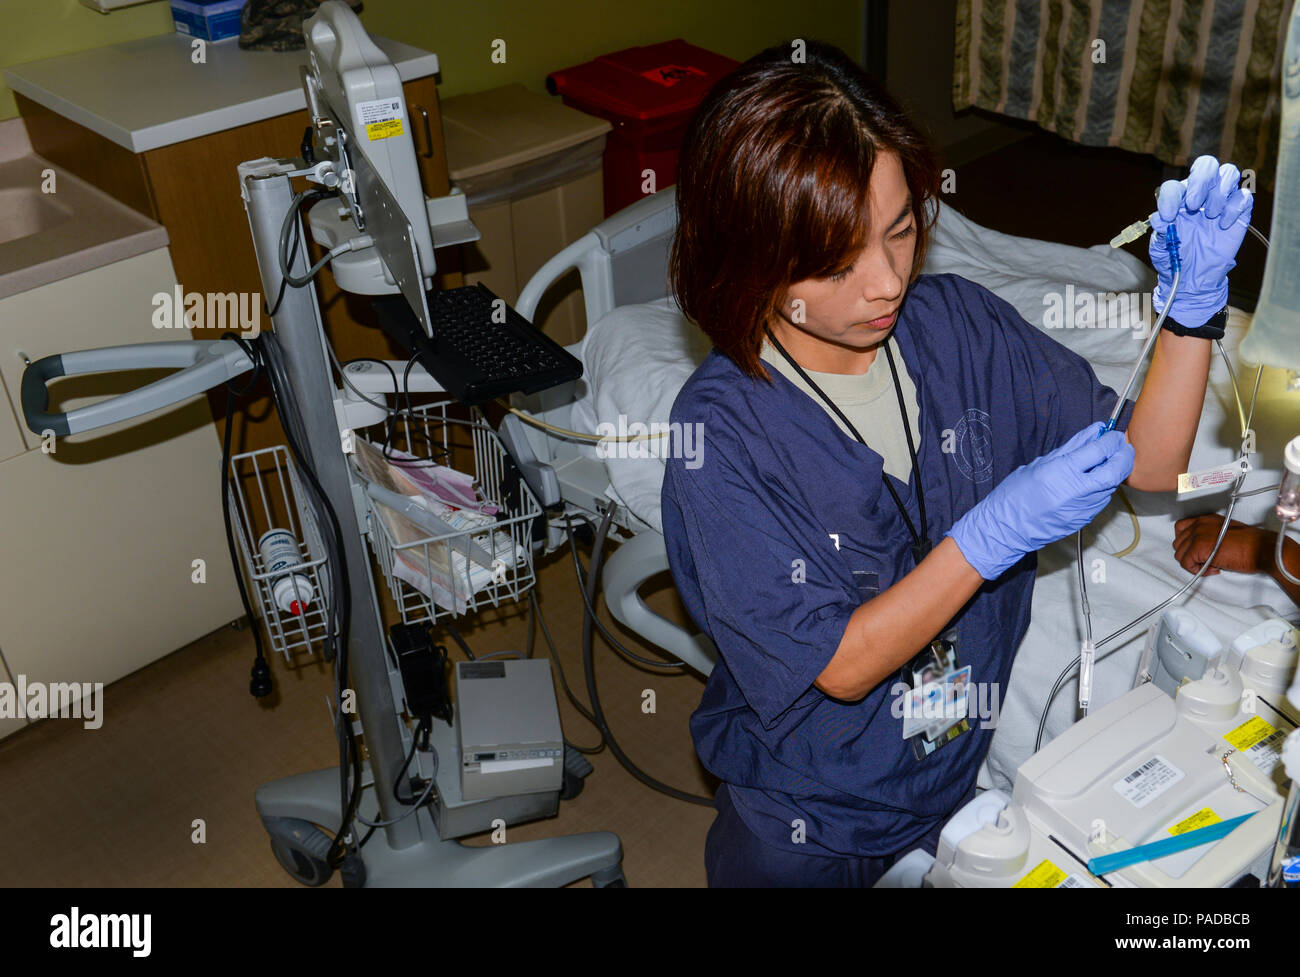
point(276, 25)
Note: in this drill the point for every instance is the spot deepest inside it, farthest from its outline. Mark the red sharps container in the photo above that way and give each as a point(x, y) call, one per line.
point(649, 95)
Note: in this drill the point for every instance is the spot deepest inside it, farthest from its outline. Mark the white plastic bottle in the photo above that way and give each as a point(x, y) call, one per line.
point(292, 592)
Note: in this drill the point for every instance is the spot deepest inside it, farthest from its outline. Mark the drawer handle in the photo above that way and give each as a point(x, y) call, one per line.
point(427, 152)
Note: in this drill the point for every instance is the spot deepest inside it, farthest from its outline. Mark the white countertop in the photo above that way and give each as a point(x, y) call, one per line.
point(148, 93)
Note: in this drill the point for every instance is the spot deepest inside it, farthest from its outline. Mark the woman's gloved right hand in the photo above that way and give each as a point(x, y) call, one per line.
point(1043, 501)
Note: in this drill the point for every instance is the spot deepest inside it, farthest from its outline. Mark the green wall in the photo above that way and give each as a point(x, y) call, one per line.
point(34, 29)
point(540, 37)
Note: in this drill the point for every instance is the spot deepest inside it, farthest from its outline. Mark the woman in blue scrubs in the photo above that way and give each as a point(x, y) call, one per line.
point(884, 453)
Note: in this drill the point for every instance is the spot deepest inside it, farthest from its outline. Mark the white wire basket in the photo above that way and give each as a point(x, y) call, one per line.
point(265, 493)
point(434, 576)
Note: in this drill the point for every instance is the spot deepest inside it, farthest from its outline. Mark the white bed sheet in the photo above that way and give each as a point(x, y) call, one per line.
point(638, 357)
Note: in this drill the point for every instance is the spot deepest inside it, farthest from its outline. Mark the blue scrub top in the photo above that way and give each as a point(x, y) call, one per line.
point(749, 538)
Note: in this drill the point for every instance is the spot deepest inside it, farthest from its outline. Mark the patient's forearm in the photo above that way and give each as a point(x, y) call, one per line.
point(884, 633)
point(1167, 412)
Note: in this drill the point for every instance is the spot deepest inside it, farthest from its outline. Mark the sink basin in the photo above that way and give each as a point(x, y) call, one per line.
point(25, 211)
point(46, 237)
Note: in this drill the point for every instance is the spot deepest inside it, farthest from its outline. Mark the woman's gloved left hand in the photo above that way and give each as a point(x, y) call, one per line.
point(1211, 213)
point(1046, 500)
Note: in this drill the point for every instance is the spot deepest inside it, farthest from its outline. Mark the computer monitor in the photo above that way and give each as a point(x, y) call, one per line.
point(350, 81)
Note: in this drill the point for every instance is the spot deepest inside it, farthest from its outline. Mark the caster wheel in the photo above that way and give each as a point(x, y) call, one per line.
point(300, 847)
point(618, 882)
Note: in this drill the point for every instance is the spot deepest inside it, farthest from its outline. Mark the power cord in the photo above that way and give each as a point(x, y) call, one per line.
point(589, 669)
point(536, 607)
point(260, 685)
point(591, 611)
point(339, 608)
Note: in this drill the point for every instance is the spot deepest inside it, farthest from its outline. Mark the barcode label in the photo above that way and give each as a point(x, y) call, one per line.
point(1267, 753)
point(1140, 771)
point(1074, 882)
point(1259, 741)
point(1148, 781)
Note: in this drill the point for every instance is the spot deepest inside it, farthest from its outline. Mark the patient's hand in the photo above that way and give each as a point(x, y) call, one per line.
point(1245, 549)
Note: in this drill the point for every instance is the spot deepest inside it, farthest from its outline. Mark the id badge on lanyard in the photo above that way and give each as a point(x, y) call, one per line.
point(937, 696)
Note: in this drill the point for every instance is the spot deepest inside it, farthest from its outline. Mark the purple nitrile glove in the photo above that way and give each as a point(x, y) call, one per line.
point(1046, 500)
point(1211, 213)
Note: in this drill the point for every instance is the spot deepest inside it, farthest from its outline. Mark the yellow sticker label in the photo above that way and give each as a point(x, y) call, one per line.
point(1044, 875)
point(1249, 733)
point(1201, 819)
point(384, 130)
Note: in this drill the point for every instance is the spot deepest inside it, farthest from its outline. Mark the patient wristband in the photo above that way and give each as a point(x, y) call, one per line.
point(1212, 329)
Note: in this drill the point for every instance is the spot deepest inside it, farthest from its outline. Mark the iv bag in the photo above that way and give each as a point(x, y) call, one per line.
point(1274, 336)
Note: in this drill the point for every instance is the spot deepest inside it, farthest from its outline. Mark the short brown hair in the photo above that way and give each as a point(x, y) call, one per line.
point(772, 187)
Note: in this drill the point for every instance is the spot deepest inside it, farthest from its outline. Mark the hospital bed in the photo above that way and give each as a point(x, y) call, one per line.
point(638, 350)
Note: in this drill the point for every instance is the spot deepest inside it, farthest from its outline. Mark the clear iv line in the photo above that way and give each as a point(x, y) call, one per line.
point(1223, 531)
point(1176, 265)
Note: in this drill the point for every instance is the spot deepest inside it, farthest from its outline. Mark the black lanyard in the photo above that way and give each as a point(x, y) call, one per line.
point(920, 541)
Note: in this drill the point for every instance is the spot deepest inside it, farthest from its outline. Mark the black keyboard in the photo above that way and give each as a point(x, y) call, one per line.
point(475, 358)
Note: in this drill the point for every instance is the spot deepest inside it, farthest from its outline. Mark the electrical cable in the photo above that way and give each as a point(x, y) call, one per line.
point(339, 602)
point(339, 368)
point(591, 612)
point(266, 356)
point(564, 681)
point(340, 606)
point(305, 196)
point(455, 636)
point(420, 802)
point(590, 609)
point(279, 297)
point(290, 225)
point(589, 669)
point(531, 627)
point(260, 684)
point(421, 733)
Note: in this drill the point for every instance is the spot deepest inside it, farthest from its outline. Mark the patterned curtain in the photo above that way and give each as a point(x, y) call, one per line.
point(1173, 78)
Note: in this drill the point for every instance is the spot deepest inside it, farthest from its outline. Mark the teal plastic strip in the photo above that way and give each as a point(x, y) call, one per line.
point(1166, 846)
